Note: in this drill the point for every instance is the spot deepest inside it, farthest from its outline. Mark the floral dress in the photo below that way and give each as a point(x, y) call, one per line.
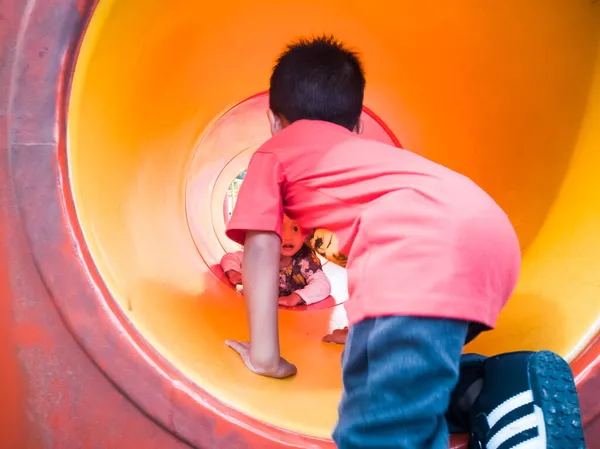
point(294, 277)
point(303, 276)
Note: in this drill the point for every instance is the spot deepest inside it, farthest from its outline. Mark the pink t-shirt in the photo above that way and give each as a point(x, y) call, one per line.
point(420, 239)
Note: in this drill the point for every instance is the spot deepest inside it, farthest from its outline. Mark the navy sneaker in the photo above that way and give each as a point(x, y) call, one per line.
point(468, 388)
point(528, 400)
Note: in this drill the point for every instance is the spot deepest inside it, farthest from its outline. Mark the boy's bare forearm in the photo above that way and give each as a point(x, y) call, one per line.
point(261, 290)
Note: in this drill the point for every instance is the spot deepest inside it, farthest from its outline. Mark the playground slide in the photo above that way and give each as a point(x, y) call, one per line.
point(157, 107)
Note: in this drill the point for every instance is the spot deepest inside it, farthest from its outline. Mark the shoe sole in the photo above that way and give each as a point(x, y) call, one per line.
point(554, 391)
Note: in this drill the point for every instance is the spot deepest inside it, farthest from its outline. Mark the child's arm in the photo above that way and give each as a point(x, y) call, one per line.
point(317, 288)
point(231, 264)
point(261, 280)
point(261, 287)
point(256, 223)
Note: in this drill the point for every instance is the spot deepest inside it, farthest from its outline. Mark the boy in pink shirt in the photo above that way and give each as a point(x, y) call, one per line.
point(431, 261)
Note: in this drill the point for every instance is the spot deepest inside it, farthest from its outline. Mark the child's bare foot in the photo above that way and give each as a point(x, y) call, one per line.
point(338, 336)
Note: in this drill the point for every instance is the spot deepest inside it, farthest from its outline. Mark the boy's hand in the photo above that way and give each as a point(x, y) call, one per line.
point(283, 370)
point(234, 277)
point(338, 336)
point(291, 300)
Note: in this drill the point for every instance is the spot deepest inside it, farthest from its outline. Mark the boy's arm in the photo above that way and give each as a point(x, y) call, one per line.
point(261, 288)
point(256, 224)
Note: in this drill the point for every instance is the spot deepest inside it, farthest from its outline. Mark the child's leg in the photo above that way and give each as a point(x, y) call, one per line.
point(398, 374)
point(525, 400)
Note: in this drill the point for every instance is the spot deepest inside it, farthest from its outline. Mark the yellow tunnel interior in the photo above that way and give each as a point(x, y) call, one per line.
point(507, 93)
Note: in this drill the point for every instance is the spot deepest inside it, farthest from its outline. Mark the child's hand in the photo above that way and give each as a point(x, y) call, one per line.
point(283, 370)
point(291, 300)
point(338, 336)
point(234, 277)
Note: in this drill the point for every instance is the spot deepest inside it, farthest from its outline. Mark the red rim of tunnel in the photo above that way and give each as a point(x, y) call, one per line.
point(39, 173)
point(366, 110)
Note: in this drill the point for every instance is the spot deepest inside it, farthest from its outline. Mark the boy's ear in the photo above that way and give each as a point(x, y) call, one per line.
point(358, 129)
point(275, 121)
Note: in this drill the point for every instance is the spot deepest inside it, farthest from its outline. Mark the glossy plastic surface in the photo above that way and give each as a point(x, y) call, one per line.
point(150, 80)
point(507, 94)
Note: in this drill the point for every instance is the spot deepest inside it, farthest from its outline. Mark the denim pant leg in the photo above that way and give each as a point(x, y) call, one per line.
point(398, 374)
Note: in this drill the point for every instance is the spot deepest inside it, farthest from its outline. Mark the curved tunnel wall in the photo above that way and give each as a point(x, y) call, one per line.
point(498, 93)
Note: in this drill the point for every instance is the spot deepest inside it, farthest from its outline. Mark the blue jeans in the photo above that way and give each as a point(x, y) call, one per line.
point(398, 374)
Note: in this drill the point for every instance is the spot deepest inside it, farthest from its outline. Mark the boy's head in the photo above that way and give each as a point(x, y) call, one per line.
point(317, 79)
point(291, 237)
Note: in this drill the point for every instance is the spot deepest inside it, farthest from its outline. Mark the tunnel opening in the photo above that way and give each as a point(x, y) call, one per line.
point(150, 82)
point(211, 189)
point(335, 273)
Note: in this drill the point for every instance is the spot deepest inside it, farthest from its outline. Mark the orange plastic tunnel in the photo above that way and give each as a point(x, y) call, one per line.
point(162, 106)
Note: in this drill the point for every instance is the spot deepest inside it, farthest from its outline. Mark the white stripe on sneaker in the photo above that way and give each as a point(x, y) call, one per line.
point(508, 406)
point(534, 443)
point(510, 430)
